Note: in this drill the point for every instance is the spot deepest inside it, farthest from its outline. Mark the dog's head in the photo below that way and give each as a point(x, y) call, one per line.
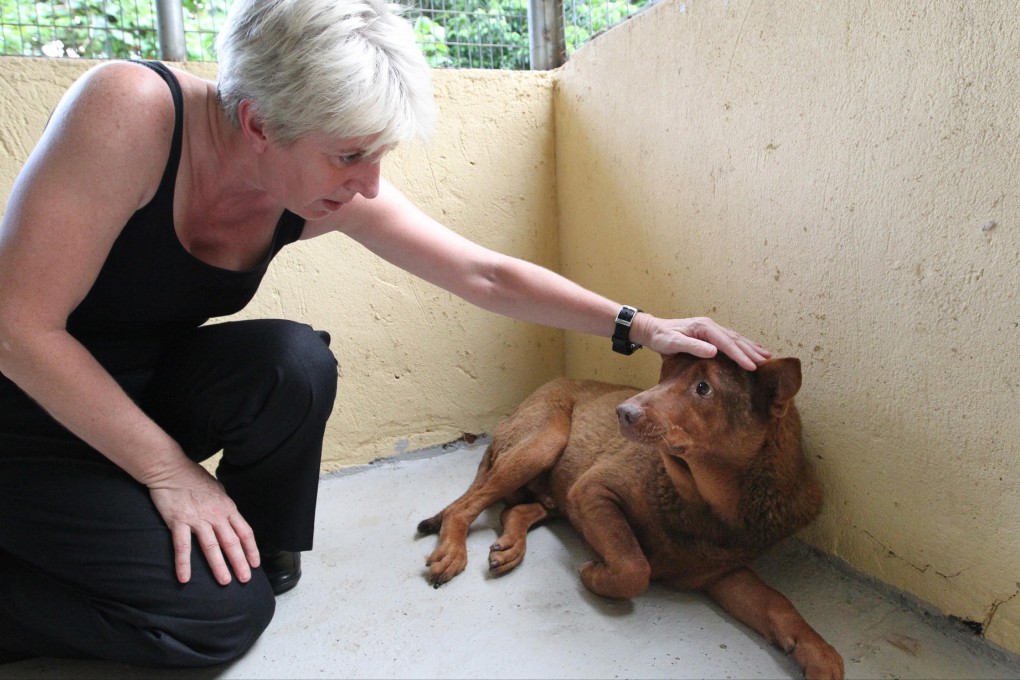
point(711, 407)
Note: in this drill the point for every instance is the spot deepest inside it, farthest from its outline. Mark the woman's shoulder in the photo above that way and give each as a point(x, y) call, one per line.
point(118, 99)
point(123, 82)
point(117, 119)
point(129, 95)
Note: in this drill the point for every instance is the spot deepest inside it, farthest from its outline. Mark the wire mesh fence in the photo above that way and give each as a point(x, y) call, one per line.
point(490, 34)
point(582, 21)
point(473, 33)
point(102, 29)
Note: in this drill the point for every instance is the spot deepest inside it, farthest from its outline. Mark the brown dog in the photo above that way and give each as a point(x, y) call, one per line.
point(685, 483)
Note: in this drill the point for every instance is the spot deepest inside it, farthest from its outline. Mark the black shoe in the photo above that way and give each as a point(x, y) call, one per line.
point(283, 568)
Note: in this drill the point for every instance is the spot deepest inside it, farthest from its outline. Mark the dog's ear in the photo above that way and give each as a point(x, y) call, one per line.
point(778, 381)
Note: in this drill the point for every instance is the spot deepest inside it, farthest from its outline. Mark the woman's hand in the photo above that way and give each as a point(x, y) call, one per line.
point(192, 501)
point(699, 336)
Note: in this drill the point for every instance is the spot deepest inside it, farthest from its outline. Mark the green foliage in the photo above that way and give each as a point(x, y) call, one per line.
point(451, 33)
point(583, 21)
point(102, 29)
point(474, 33)
point(79, 28)
point(202, 21)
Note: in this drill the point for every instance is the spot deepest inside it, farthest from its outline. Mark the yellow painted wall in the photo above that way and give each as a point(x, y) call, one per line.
point(841, 181)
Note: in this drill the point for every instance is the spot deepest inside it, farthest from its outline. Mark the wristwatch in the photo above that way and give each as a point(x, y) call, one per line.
point(621, 337)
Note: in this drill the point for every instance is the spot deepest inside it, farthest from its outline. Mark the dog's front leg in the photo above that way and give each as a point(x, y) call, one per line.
point(622, 570)
point(743, 594)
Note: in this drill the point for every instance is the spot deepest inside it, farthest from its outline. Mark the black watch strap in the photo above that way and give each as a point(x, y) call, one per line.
point(621, 337)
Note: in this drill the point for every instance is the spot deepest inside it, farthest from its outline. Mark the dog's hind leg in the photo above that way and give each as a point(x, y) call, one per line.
point(508, 550)
point(523, 447)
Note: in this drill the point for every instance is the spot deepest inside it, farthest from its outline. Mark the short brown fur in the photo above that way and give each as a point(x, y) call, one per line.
point(685, 483)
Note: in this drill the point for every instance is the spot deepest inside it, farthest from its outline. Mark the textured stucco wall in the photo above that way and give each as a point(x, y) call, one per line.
point(839, 180)
point(418, 367)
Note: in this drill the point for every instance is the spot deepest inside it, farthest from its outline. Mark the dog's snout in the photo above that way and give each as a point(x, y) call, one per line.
point(629, 413)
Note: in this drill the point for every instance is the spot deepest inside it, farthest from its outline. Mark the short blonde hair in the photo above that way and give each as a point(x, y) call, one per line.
point(346, 68)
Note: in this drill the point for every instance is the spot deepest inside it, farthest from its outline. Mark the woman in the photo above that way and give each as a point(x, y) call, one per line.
point(153, 202)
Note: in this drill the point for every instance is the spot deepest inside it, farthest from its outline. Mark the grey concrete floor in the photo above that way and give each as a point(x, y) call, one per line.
point(364, 609)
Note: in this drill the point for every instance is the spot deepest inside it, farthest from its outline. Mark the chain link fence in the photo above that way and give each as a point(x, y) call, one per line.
point(102, 29)
point(489, 34)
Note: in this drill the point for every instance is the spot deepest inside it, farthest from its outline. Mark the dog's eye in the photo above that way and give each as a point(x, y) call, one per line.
point(703, 389)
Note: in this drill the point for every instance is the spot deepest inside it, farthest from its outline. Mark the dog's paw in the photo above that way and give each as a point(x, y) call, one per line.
point(820, 661)
point(445, 563)
point(505, 555)
point(435, 580)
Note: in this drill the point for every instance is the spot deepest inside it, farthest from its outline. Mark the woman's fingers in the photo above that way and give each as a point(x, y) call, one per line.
point(181, 536)
point(197, 505)
point(211, 549)
point(237, 542)
point(745, 352)
point(703, 337)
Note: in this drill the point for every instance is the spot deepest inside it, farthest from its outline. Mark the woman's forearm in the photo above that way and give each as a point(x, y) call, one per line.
point(57, 372)
point(529, 292)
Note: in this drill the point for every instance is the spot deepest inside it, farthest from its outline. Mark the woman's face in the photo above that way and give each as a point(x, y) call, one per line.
point(316, 175)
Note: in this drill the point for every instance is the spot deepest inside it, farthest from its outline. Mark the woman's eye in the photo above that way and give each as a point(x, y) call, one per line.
point(349, 159)
point(703, 389)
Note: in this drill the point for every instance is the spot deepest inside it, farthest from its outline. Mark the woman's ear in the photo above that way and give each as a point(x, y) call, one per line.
point(252, 127)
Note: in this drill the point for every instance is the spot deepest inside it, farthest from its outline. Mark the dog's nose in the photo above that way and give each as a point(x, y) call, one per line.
point(628, 413)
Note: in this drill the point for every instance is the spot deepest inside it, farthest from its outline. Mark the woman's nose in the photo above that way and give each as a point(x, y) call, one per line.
point(366, 180)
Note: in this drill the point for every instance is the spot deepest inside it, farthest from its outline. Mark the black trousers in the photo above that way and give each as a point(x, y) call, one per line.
point(86, 561)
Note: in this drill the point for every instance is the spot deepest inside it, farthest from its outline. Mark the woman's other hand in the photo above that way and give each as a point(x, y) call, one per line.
point(192, 501)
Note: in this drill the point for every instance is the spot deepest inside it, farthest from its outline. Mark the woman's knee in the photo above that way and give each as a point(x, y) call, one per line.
point(223, 378)
point(242, 621)
point(210, 630)
point(152, 622)
point(301, 375)
point(304, 355)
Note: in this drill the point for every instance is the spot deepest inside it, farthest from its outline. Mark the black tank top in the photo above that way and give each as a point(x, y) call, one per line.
point(151, 288)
